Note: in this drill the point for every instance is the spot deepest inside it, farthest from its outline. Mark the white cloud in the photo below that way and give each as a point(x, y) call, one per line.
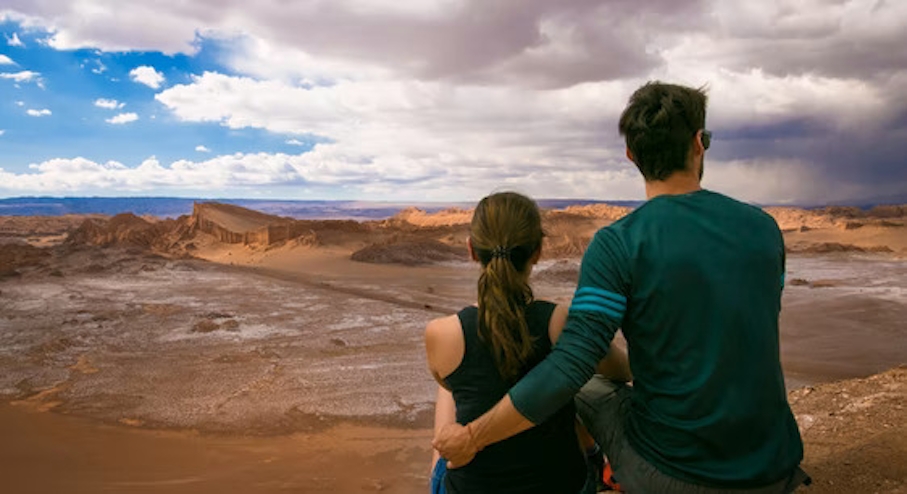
point(122, 118)
point(431, 135)
point(99, 68)
point(2, 131)
point(5, 60)
point(316, 171)
point(268, 60)
point(148, 76)
point(20, 103)
point(453, 96)
point(319, 172)
point(23, 76)
point(38, 113)
point(754, 97)
point(62, 175)
point(109, 104)
point(14, 40)
point(202, 149)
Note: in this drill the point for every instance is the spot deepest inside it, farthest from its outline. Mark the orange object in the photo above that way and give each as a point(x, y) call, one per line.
point(608, 478)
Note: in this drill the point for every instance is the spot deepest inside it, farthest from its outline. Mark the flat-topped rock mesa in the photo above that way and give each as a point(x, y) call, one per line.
point(237, 225)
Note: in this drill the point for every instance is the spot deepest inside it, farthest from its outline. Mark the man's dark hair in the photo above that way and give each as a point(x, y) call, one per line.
point(659, 124)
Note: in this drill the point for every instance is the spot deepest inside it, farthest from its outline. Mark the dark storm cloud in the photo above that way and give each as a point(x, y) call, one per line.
point(872, 162)
point(489, 41)
point(841, 38)
point(827, 57)
point(484, 41)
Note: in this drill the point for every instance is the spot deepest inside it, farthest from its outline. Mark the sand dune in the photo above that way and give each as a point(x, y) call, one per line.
point(871, 237)
point(410, 253)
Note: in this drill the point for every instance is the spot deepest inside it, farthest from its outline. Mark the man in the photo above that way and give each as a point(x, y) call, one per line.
point(694, 280)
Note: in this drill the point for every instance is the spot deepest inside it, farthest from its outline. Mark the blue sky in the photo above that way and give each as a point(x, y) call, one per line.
point(443, 99)
point(70, 83)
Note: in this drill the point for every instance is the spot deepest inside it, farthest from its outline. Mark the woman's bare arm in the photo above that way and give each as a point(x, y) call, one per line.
point(444, 348)
point(445, 413)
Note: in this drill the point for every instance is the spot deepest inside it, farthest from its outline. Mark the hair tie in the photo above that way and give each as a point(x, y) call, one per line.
point(500, 251)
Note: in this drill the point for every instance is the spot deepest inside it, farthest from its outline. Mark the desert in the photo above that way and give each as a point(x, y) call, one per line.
point(233, 350)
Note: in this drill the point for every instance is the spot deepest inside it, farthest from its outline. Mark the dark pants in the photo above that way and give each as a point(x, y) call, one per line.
point(602, 405)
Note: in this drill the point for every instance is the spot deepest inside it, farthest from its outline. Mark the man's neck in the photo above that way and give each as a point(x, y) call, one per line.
point(676, 184)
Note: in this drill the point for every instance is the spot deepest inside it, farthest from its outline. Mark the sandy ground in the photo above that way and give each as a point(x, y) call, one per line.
point(294, 369)
point(43, 453)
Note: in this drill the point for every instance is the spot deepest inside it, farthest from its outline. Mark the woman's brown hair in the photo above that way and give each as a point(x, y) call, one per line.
point(506, 232)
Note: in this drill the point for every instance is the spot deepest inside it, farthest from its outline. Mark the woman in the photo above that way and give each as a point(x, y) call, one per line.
point(480, 352)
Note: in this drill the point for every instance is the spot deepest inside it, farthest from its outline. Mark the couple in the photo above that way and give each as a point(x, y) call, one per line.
point(692, 278)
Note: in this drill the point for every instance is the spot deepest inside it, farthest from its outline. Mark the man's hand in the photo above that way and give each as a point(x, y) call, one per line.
point(460, 444)
point(456, 443)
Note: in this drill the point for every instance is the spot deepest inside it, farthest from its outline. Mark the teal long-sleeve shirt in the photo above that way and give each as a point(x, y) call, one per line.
point(694, 282)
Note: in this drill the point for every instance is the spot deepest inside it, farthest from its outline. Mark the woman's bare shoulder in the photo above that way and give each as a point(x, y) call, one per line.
point(444, 345)
point(442, 326)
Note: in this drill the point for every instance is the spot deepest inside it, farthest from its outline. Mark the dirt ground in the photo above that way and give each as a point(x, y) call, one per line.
point(855, 433)
point(294, 369)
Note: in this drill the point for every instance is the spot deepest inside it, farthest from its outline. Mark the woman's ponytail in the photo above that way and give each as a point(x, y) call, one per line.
point(506, 234)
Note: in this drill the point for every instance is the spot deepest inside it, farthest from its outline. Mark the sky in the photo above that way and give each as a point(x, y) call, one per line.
point(444, 100)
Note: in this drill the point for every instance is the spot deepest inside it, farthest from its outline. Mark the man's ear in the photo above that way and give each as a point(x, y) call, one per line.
point(700, 146)
point(472, 252)
point(630, 155)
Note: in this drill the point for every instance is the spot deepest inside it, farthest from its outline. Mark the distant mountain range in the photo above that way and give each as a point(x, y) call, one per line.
point(168, 207)
point(172, 207)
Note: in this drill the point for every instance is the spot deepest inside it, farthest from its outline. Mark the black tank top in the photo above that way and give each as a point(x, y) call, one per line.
point(545, 459)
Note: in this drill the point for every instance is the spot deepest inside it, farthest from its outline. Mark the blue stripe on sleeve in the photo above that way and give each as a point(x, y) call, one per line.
point(618, 316)
point(591, 299)
point(591, 290)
